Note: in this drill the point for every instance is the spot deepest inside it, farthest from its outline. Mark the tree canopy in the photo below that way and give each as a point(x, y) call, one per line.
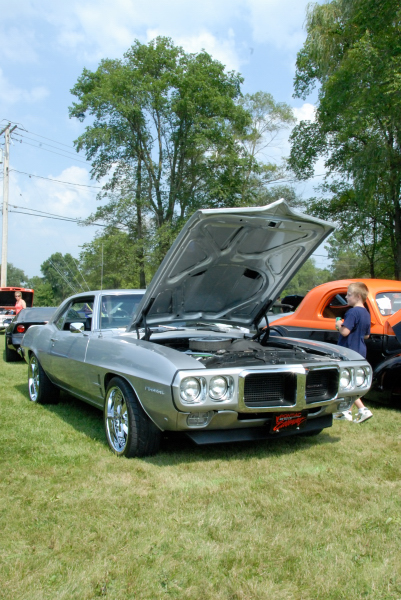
point(15, 277)
point(173, 133)
point(353, 53)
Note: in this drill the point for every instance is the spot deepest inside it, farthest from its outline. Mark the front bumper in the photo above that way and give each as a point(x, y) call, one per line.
point(248, 434)
point(312, 389)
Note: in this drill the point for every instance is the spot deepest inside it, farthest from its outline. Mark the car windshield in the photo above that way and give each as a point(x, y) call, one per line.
point(117, 310)
point(388, 302)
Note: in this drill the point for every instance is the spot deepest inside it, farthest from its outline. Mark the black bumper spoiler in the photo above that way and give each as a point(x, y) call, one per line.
point(248, 434)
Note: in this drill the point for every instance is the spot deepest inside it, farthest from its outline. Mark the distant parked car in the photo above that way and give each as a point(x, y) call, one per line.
point(188, 360)
point(315, 318)
point(19, 325)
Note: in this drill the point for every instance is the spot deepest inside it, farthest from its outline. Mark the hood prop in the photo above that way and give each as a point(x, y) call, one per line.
point(262, 334)
point(142, 321)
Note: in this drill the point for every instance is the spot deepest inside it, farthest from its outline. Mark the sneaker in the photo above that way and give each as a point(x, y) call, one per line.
point(363, 415)
point(343, 416)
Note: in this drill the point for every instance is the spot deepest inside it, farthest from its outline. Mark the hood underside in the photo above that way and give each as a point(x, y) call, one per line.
point(230, 265)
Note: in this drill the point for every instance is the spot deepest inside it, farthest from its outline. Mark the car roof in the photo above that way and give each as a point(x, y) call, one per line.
point(108, 292)
point(373, 285)
point(36, 312)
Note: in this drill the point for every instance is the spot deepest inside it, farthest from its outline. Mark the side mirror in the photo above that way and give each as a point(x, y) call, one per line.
point(77, 327)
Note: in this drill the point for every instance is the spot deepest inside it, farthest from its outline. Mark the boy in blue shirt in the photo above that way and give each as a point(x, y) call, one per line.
point(354, 330)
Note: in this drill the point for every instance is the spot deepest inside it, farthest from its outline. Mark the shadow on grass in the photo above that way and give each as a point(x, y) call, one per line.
point(81, 416)
point(176, 447)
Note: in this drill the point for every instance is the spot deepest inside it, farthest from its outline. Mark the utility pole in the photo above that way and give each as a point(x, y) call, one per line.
point(7, 131)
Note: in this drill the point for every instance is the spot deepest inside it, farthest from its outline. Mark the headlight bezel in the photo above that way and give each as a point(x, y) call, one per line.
point(194, 400)
point(348, 375)
point(227, 391)
point(364, 379)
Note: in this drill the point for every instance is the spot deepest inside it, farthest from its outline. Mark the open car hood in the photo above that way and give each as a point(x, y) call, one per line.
point(229, 265)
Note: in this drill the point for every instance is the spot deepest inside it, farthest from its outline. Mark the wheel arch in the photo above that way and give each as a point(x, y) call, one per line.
point(111, 375)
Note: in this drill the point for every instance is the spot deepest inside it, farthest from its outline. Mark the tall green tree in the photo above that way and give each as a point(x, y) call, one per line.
point(63, 275)
point(43, 292)
point(353, 52)
point(15, 277)
point(166, 115)
point(268, 120)
point(308, 277)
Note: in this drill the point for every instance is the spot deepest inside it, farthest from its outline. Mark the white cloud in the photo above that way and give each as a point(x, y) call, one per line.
point(18, 45)
point(97, 29)
point(33, 238)
point(307, 112)
point(223, 49)
point(11, 94)
point(278, 22)
point(51, 196)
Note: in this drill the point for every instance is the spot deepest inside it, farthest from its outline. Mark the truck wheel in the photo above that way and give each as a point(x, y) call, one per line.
point(129, 431)
point(41, 389)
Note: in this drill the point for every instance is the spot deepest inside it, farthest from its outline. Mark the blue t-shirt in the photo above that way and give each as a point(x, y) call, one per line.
point(357, 320)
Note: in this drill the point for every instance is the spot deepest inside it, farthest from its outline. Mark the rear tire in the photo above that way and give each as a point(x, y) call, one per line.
point(129, 431)
point(41, 389)
point(11, 355)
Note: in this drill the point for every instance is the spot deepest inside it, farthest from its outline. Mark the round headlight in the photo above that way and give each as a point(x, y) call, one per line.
point(360, 376)
point(190, 390)
point(345, 379)
point(218, 387)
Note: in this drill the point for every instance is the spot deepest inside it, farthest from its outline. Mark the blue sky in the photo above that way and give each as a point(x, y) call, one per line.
point(46, 44)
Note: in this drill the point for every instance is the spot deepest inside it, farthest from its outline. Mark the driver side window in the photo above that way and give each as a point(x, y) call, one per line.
point(79, 310)
point(335, 307)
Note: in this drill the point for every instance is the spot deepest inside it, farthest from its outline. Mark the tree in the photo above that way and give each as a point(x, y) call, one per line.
point(308, 277)
point(63, 275)
point(15, 277)
point(165, 115)
point(43, 292)
point(268, 119)
point(353, 51)
point(361, 232)
point(109, 261)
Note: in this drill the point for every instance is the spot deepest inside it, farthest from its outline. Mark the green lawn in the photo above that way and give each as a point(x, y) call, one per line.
point(312, 518)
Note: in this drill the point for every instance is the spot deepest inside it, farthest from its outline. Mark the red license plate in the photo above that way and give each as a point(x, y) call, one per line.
point(286, 421)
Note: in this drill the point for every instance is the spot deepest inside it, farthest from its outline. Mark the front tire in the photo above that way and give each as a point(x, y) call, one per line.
point(129, 431)
point(40, 388)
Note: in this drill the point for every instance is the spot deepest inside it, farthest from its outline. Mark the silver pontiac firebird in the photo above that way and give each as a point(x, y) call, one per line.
point(193, 353)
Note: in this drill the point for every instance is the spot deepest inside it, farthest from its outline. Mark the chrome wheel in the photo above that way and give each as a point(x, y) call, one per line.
point(33, 378)
point(117, 419)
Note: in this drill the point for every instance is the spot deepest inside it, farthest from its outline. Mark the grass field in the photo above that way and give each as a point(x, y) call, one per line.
point(299, 519)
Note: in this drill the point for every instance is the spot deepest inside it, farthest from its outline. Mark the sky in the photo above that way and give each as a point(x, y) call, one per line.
point(44, 47)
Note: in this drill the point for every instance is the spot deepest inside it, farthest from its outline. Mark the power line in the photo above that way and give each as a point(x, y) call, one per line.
point(49, 139)
point(97, 187)
point(37, 134)
point(51, 151)
point(43, 143)
point(47, 215)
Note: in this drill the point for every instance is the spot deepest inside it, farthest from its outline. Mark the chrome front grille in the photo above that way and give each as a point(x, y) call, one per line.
point(299, 387)
point(321, 385)
point(270, 389)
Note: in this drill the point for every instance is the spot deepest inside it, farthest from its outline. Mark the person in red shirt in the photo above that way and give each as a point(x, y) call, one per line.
point(20, 303)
